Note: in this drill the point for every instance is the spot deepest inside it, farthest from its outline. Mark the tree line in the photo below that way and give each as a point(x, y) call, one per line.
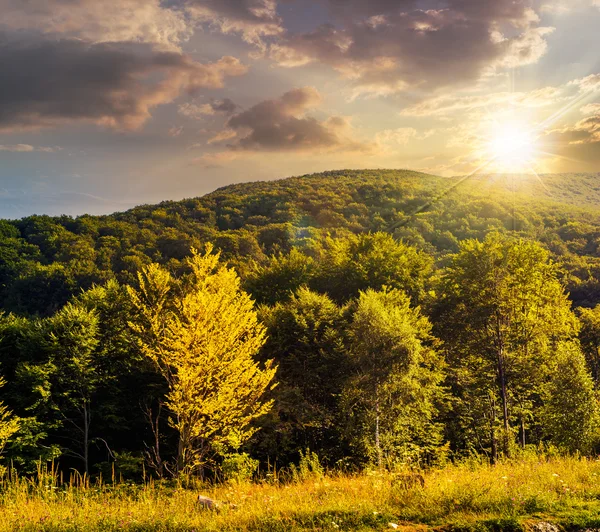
point(363, 348)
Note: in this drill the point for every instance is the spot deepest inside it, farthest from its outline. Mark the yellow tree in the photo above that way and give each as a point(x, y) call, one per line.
point(9, 424)
point(202, 332)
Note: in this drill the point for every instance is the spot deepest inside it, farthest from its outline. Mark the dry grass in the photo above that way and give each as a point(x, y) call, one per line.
point(467, 496)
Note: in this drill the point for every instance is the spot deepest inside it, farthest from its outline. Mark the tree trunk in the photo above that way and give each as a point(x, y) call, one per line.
point(181, 454)
point(522, 431)
point(377, 440)
point(493, 440)
point(504, 397)
point(86, 437)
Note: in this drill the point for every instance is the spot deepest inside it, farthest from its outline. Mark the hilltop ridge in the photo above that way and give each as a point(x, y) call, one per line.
point(250, 221)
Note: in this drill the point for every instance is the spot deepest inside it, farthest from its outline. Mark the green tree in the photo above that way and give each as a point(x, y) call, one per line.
point(589, 337)
point(9, 424)
point(306, 339)
point(279, 276)
point(395, 394)
point(354, 263)
point(70, 338)
point(569, 416)
point(202, 334)
point(502, 312)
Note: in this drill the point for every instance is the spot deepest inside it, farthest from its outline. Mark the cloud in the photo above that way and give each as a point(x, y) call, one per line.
point(585, 131)
point(253, 19)
point(99, 20)
point(388, 46)
point(400, 136)
point(591, 109)
point(560, 7)
point(25, 148)
point(165, 22)
point(283, 125)
point(575, 147)
point(588, 84)
point(52, 82)
point(448, 104)
point(175, 131)
point(226, 134)
point(193, 110)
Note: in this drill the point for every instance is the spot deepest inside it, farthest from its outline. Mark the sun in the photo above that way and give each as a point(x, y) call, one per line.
point(512, 146)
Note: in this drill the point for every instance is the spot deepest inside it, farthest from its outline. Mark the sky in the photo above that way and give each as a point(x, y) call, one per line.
point(109, 104)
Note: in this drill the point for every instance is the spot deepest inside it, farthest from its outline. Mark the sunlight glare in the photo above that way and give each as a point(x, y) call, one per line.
point(512, 146)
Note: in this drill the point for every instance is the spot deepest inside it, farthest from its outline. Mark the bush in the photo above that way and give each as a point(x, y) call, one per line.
point(309, 467)
point(239, 467)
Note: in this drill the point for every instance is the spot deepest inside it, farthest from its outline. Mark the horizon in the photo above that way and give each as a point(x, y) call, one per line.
point(113, 105)
point(461, 179)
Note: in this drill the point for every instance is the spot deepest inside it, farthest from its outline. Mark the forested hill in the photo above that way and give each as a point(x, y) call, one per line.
point(44, 260)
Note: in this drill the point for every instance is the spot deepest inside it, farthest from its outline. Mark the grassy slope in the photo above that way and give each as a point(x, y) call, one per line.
point(510, 496)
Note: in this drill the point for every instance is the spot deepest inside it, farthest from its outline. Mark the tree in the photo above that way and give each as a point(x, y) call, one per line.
point(589, 337)
point(396, 389)
point(502, 312)
point(9, 424)
point(307, 340)
point(354, 263)
point(279, 276)
point(569, 417)
point(202, 333)
point(71, 375)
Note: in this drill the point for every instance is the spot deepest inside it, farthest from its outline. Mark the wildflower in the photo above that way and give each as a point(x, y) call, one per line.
point(504, 478)
point(555, 475)
point(393, 525)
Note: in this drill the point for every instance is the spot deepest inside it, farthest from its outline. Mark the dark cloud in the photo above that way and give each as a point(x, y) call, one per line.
point(251, 18)
point(576, 146)
point(283, 125)
point(167, 22)
point(224, 106)
point(98, 20)
point(385, 45)
point(45, 83)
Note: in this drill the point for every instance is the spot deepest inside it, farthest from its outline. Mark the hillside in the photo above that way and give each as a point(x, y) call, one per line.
point(44, 260)
point(385, 318)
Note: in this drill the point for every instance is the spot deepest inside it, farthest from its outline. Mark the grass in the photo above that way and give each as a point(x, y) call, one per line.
point(472, 496)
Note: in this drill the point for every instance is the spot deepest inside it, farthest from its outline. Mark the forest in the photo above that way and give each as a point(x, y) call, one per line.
point(349, 320)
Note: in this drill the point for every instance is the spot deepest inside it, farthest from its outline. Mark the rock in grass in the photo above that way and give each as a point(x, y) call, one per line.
point(206, 503)
point(544, 526)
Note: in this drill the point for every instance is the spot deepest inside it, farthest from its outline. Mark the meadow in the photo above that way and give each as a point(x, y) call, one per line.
point(530, 493)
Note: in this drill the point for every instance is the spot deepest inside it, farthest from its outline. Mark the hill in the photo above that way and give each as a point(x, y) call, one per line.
point(44, 260)
point(411, 318)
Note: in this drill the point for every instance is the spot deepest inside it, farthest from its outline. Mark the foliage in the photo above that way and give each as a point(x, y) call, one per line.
point(351, 269)
point(202, 333)
point(393, 398)
point(306, 337)
point(9, 424)
point(239, 467)
point(503, 315)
